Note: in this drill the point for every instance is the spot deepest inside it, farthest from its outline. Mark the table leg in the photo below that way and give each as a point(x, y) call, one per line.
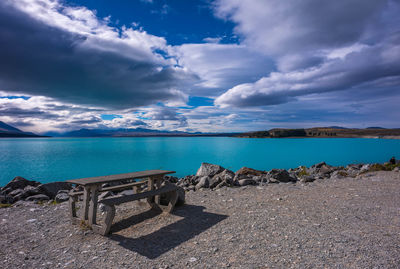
point(93, 204)
point(150, 184)
point(150, 187)
point(86, 198)
point(157, 199)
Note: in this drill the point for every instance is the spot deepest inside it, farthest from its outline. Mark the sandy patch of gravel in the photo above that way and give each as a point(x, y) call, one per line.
point(340, 223)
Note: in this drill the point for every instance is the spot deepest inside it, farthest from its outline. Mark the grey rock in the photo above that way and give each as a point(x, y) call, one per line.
point(281, 175)
point(6, 199)
point(257, 178)
point(16, 192)
point(325, 170)
point(354, 166)
point(226, 176)
point(222, 184)
point(18, 183)
point(38, 197)
point(62, 196)
point(191, 188)
point(28, 191)
point(365, 168)
point(208, 169)
point(246, 172)
point(188, 180)
point(171, 179)
point(247, 181)
point(181, 196)
point(306, 179)
point(264, 178)
point(215, 181)
point(204, 182)
point(51, 189)
point(396, 169)
point(126, 192)
point(105, 195)
point(319, 165)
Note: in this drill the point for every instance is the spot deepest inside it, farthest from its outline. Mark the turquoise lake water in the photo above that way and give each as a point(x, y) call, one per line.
point(53, 159)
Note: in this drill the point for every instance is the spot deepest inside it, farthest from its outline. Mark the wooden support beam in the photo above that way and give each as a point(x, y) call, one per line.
point(157, 198)
point(86, 198)
point(93, 204)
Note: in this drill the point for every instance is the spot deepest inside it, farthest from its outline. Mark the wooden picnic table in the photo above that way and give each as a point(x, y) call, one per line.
point(92, 186)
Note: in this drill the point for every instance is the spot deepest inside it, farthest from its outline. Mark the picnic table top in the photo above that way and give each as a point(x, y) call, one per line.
point(118, 177)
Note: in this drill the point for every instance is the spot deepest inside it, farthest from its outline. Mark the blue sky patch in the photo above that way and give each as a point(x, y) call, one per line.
point(110, 116)
point(15, 97)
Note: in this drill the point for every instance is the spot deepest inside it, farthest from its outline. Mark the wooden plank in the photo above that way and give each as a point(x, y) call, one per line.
point(118, 177)
point(142, 195)
point(123, 186)
point(113, 188)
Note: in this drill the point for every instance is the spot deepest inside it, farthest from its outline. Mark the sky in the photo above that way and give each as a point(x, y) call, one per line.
point(199, 65)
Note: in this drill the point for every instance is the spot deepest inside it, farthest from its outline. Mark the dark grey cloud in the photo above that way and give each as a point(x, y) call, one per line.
point(90, 120)
point(319, 47)
point(287, 27)
point(39, 59)
point(17, 112)
point(167, 113)
point(21, 124)
point(374, 68)
point(136, 123)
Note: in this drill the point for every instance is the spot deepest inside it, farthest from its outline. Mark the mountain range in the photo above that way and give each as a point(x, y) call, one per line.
point(119, 132)
point(7, 130)
point(10, 131)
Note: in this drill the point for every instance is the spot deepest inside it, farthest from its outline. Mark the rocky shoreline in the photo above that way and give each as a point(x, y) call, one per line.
point(208, 176)
point(349, 222)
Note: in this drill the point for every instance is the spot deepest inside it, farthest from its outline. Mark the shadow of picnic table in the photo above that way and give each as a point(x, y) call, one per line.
point(194, 222)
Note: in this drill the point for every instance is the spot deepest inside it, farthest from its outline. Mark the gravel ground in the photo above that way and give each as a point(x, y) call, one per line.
point(334, 223)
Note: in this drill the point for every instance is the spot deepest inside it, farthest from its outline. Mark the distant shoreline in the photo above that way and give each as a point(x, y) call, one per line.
point(233, 136)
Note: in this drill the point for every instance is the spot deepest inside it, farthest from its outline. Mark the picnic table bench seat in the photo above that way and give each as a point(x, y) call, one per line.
point(170, 191)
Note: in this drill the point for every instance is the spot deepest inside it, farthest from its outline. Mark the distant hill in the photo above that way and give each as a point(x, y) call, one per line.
point(371, 132)
point(337, 127)
point(123, 132)
point(10, 131)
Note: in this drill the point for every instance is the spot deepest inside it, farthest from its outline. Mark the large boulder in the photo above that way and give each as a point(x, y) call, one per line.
point(51, 189)
point(325, 170)
point(18, 183)
point(281, 175)
point(225, 176)
point(204, 182)
point(26, 192)
point(209, 170)
point(249, 172)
